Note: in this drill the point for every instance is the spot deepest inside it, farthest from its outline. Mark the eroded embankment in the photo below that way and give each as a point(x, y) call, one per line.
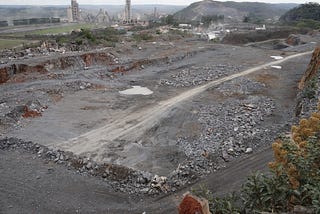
point(83, 61)
point(309, 90)
point(58, 63)
point(312, 69)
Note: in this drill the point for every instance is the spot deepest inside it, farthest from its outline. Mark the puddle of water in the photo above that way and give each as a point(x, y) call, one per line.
point(276, 57)
point(276, 67)
point(137, 90)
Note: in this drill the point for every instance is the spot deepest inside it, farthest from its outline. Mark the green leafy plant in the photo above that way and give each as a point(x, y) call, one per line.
point(87, 34)
point(226, 205)
point(218, 205)
point(142, 37)
point(310, 89)
point(263, 193)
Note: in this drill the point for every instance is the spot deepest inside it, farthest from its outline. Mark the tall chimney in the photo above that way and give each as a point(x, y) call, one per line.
point(127, 11)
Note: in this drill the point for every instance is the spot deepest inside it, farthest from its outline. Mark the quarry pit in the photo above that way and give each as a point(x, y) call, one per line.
point(211, 105)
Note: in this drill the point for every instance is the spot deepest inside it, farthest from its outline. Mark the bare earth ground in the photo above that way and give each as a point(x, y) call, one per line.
point(32, 186)
point(155, 133)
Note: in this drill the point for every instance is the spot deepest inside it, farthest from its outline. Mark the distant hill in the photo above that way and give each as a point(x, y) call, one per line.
point(309, 11)
point(235, 10)
point(25, 12)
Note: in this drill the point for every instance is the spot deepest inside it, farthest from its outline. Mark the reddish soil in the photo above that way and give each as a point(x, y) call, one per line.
point(30, 113)
point(189, 205)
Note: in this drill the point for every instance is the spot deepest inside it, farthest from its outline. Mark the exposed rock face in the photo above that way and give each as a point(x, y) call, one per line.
point(236, 10)
point(293, 40)
point(61, 63)
point(87, 59)
point(207, 7)
point(312, 69)
point(307, 98)
point(4, 75)
point(83, 61)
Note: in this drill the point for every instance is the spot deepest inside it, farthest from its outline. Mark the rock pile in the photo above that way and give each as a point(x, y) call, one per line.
point(11, 116)
point(231, 126)
point(229, 130)
point(194, 76)
point(241, 86)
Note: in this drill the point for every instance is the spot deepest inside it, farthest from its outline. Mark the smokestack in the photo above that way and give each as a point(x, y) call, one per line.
point(75, 10)
point(127, 11)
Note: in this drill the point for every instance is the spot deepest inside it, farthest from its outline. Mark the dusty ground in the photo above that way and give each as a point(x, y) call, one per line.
point(39, 187)
point(211, 105)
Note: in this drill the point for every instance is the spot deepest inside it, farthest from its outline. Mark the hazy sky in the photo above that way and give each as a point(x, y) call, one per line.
point(119, 2)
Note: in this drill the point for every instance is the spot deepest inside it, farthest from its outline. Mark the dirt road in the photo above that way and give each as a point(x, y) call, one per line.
point(131, 127)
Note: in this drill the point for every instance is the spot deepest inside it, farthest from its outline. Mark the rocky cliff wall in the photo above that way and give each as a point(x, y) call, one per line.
point(312, 70)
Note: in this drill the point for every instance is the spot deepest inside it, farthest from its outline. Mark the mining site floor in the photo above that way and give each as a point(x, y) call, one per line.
point(200, 103)
point(28, 185)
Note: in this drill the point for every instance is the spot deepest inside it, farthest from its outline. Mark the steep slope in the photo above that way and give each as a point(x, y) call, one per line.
point(306, 11)
point(232, 9)
point(312, 70)
point(207, 7)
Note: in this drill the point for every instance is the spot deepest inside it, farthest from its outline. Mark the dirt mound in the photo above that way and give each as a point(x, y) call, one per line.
point(312, 69)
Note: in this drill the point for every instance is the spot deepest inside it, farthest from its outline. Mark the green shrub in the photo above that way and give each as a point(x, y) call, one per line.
point(87, 34)
point(310, 90)
point(263, 193)
point(142, 37)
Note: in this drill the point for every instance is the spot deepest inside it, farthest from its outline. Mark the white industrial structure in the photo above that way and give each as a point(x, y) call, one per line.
point(73, 12)
point(127, 11)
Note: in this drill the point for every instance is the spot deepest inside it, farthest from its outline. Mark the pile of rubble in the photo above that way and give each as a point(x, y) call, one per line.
point(11, 116)
point(194, 76)
point(230, 129)
point(44, 49)
point(234, 125)
point(241, 85)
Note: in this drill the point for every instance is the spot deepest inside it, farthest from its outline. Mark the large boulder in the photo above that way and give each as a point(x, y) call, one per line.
point(192, 204)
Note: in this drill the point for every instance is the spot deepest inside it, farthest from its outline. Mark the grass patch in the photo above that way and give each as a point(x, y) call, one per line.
point(142, 37)
point(11, 43)
point(54, 30)
point(61, 30)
